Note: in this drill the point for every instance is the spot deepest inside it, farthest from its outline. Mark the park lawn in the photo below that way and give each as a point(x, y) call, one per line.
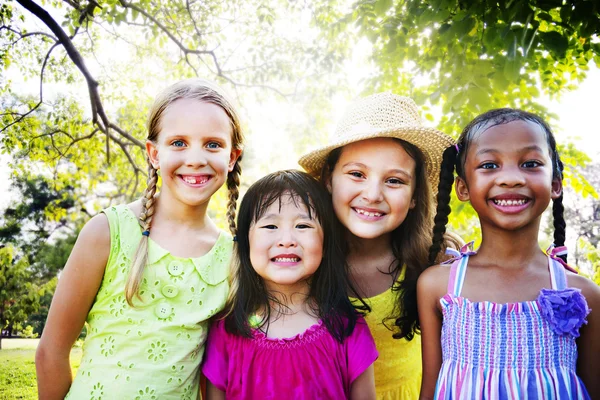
point(17, 373)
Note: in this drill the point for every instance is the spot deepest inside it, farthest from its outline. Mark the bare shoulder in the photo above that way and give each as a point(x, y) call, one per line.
point(96, 230)
point(589, 289)
point(434, 280)
point(136, 207)
point(95, 236)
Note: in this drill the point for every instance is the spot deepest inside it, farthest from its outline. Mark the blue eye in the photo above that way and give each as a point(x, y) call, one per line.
point(531, 164)
point(213, 145)
point(178, 143)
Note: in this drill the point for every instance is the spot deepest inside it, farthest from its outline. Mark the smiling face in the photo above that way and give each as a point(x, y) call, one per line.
point(508, 175)
point(372, 187)
point(193, 150)
point(286, 244)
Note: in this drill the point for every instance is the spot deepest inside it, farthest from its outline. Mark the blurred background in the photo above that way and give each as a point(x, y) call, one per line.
point(77, 78)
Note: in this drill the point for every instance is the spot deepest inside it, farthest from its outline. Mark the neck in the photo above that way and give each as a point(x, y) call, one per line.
point(361, 248)
point(181, 215)
point(510, 248)
point(294, 297)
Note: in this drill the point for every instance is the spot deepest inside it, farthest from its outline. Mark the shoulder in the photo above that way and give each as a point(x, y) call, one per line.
point(135, 207)
point(589, 289)
point(96, 231)
point(434, 278)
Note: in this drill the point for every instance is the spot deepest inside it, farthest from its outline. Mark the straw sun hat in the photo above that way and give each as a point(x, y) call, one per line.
point(384, 115)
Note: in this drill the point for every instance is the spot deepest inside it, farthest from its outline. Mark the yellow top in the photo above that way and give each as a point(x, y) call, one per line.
point(398, 369)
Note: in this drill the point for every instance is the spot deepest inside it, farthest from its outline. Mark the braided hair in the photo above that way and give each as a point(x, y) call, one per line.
point(454, 158)
point(200, 90)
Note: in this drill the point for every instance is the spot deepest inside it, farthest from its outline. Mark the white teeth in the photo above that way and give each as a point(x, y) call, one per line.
point(286, 259)
point(193, 180)
point(367, 213)
point(510, 202)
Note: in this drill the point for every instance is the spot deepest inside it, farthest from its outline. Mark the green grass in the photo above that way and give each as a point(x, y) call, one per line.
point(17, 371)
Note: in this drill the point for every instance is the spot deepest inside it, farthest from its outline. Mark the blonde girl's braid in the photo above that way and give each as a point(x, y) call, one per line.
point(134, 279)
point(233, 186)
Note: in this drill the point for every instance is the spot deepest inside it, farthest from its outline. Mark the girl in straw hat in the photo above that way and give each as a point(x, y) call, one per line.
point(379, 168)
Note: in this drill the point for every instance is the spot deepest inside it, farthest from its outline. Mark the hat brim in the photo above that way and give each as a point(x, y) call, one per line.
point(430, 141)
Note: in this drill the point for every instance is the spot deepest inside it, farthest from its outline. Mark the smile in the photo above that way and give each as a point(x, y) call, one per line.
point(195, 179)
point(286, 259)
point(368, 214)
point(515, 202)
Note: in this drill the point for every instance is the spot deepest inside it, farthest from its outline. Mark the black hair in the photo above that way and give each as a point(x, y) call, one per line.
point(329, 286)
point(455, 156)
point(409, 243)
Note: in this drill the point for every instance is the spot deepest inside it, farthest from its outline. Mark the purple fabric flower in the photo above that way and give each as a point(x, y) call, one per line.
point(565, 310)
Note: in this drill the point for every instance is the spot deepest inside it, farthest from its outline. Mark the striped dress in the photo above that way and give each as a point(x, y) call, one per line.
point(504, 351)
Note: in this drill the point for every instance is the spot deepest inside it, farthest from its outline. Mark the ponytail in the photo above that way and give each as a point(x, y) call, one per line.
point(443, 201)
point(558, 213)
point(134, 279)
point(233, 187)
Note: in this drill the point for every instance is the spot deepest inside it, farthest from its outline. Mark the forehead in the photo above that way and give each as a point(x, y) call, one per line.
point(285, 204)
point(189, 116)
point(512, 136)
point(377, 152)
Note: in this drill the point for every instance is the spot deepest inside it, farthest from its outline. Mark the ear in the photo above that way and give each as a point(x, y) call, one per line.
point(152, 152)
point(462, 191)
point(412, 204)
point(556, 188)
point(328, 184)
point(233, 157)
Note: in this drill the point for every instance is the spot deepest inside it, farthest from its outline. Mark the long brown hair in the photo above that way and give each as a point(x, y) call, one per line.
point(204, 91)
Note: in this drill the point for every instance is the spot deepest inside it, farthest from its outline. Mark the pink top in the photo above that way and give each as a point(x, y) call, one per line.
point(310, 365)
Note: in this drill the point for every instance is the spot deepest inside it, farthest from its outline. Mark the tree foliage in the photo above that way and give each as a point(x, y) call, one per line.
point(244, 45)
point(466, 57)
point(19, 297)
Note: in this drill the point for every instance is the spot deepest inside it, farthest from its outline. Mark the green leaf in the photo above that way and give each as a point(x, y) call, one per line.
point(381, 6)
point(512, 70)
point(556, 43)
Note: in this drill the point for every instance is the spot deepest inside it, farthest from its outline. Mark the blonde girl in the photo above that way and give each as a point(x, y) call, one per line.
point(146, 277)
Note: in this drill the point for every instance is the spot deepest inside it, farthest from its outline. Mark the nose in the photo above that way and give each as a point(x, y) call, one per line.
point(511, 177)
point(196, 157)
point(287, 239)
point(373, 192)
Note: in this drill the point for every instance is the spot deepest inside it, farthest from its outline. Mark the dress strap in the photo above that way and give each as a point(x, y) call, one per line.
point(458, 271)
point(459, 261)
point(558, 276)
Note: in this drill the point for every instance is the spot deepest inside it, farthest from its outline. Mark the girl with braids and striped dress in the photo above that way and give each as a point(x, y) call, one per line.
point(146, 277)
point(508, 321)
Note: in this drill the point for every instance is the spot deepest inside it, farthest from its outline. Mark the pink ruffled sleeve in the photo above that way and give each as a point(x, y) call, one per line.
point(361, 350)
point(216, 359)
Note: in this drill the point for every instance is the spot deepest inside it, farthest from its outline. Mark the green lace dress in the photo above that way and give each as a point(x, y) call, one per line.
point(152, 351)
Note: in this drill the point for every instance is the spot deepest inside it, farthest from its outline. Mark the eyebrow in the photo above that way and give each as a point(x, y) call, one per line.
point(533, 147)
point(275, 215)
point(391, 171)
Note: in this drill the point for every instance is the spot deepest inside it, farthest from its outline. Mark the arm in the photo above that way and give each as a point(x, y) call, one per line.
point(214, 393)
point(75, 293)
point(363, 387)
point(429, 291)
point(588, 344)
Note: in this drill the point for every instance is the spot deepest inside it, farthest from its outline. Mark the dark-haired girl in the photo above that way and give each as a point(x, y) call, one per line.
point(290, 331)
point(513, 324)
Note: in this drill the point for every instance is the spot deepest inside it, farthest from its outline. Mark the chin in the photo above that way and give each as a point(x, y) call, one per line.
point(367, 234)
